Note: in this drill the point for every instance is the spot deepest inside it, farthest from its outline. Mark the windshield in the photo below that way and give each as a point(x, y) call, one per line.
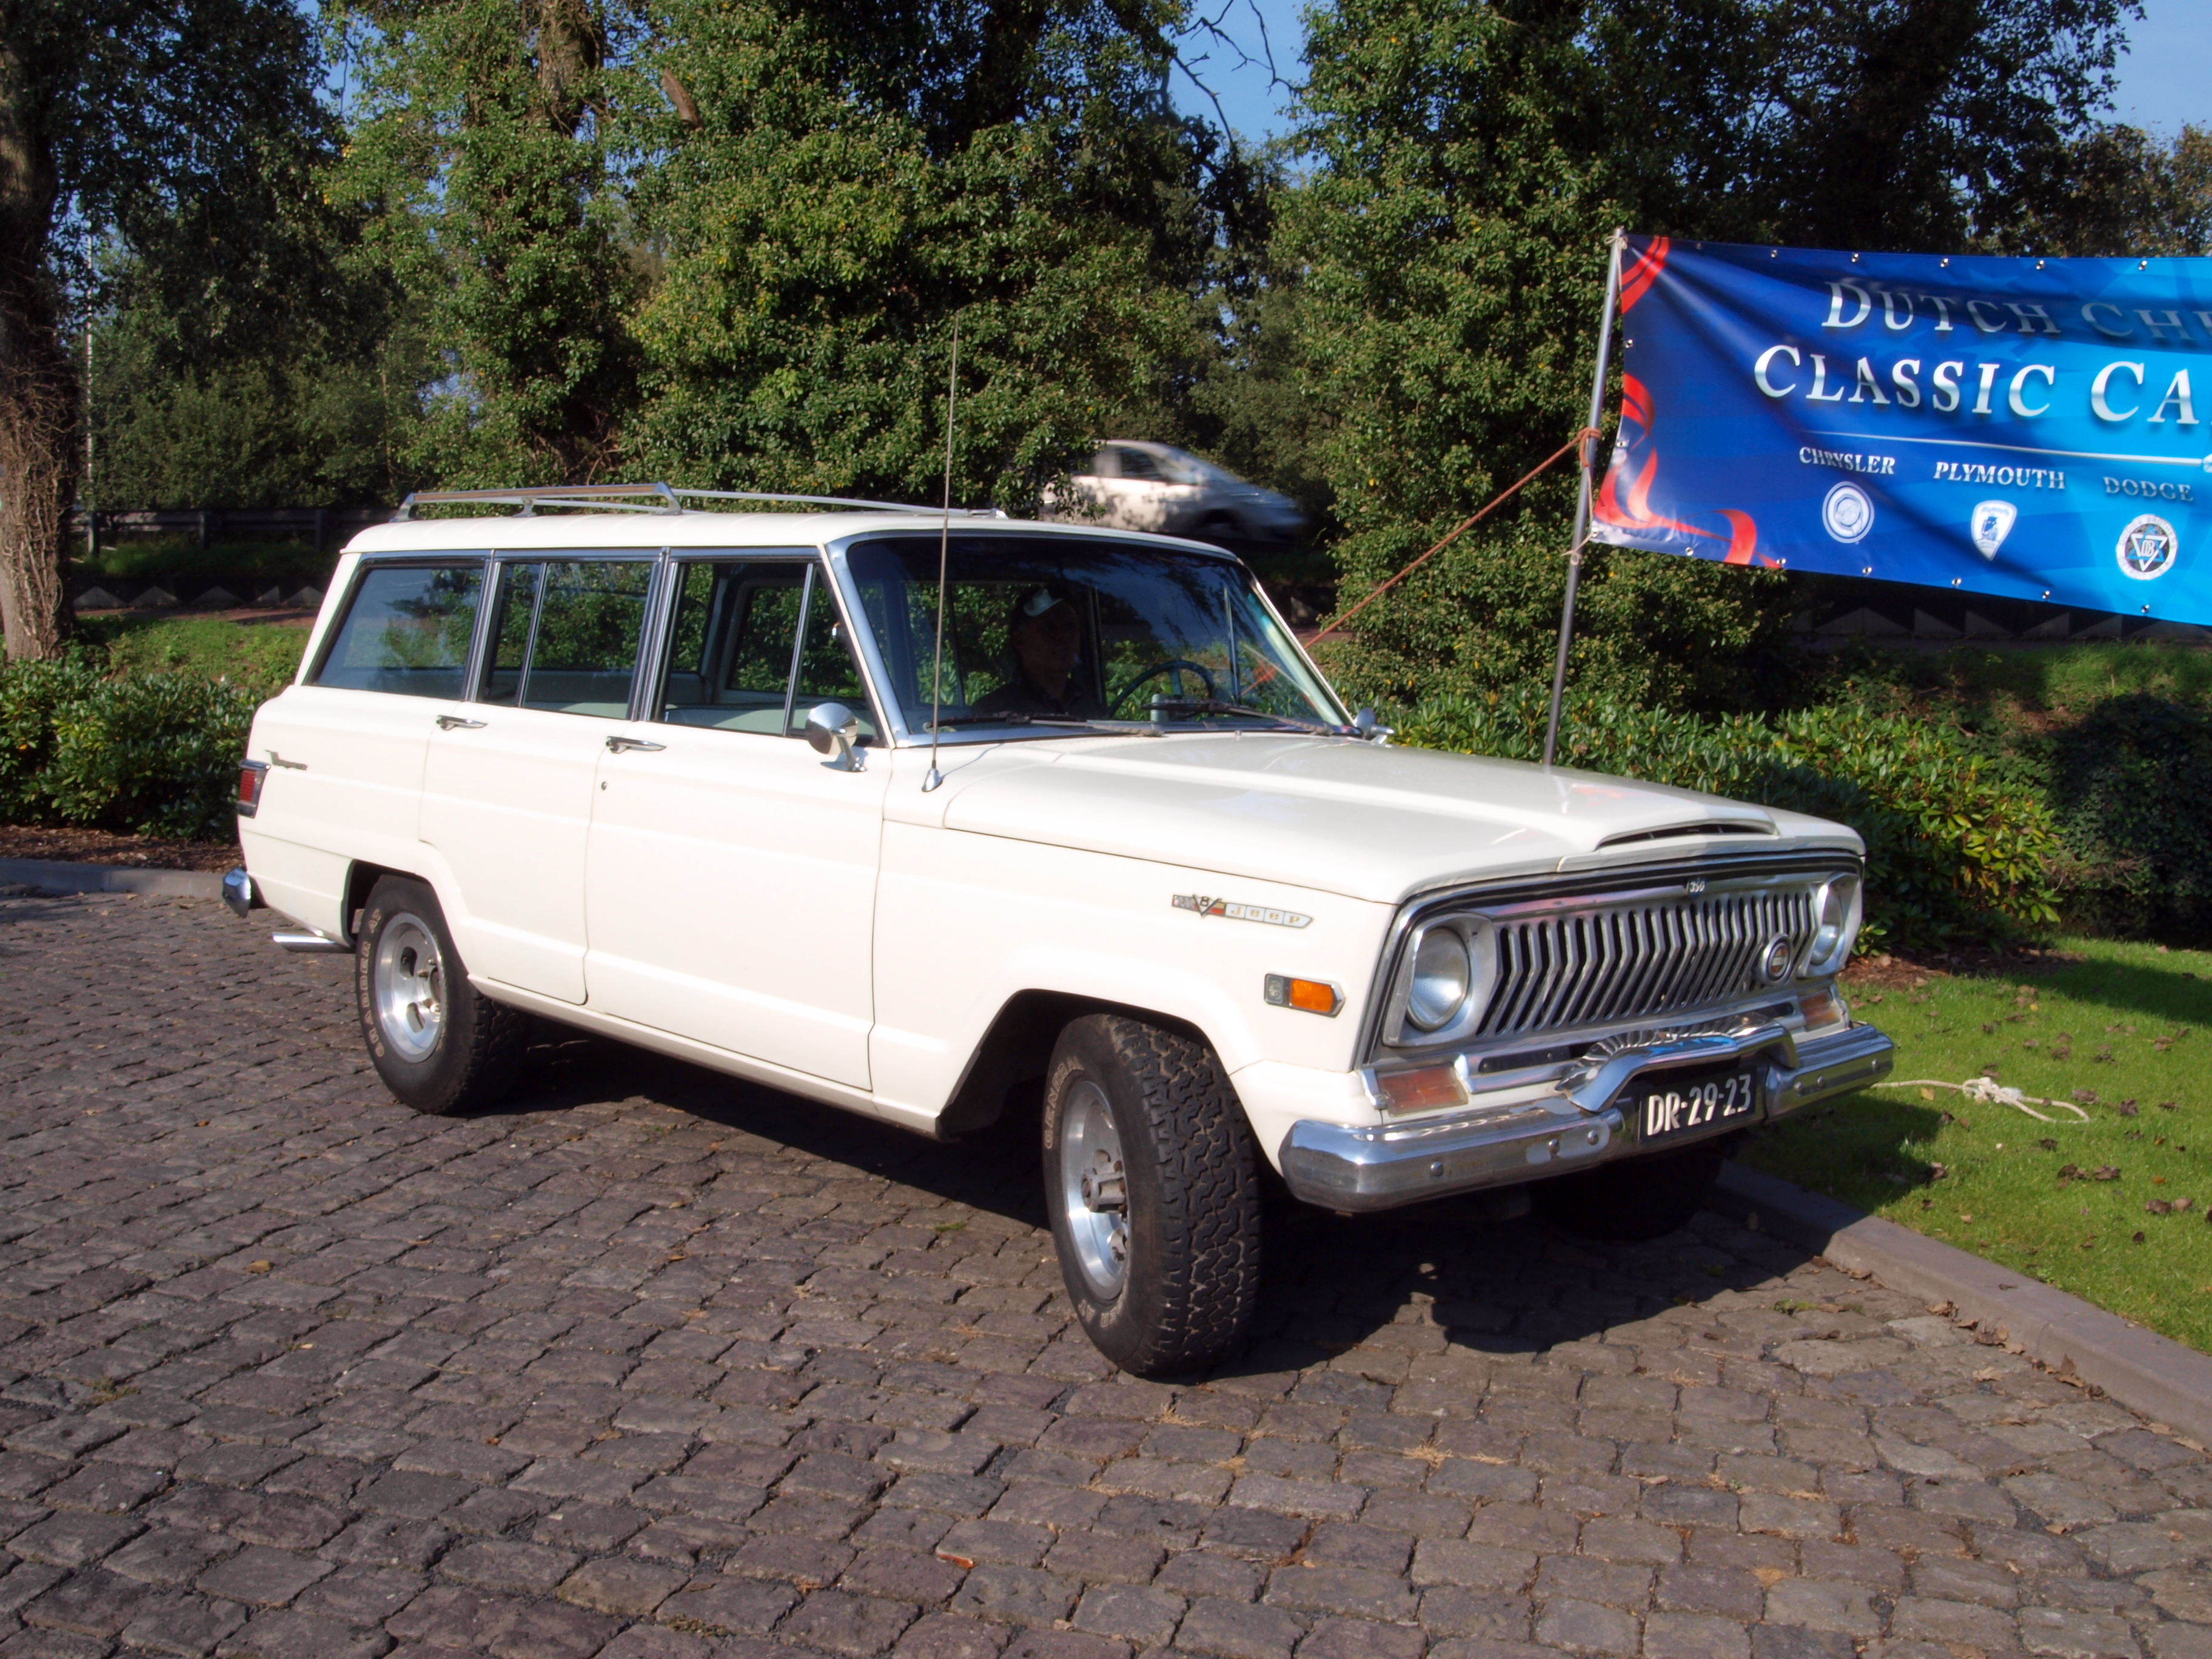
point(1060, 629)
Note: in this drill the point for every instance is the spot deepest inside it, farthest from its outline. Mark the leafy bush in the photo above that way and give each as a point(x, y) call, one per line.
point(2130, 785)
point(152, 754)
point(1953, 857)
point(32, 696)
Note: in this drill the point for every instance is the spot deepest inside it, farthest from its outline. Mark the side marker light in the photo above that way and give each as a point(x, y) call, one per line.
point(1310, 996)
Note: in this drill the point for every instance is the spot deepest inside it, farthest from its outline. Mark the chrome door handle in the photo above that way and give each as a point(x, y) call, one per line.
point(616, 746)
point(451, 722)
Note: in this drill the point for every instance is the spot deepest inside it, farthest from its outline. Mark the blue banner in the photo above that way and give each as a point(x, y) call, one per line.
point(2038, 428)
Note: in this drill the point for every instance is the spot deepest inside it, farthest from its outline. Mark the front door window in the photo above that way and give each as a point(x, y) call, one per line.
point(755, 644)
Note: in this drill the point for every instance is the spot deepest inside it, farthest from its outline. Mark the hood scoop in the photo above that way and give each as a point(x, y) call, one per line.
point(1676, 831)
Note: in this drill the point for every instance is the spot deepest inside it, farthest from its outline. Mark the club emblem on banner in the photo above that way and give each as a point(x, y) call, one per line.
point(1993, 522)
point(2148, 548)
point(1847, 513)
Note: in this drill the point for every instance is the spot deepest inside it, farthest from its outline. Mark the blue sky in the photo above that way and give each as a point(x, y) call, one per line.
point(2161, 80)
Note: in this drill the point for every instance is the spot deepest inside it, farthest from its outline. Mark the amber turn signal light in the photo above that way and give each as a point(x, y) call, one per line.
point(1310, 996)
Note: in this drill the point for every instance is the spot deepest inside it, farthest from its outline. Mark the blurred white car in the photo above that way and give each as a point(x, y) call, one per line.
point(1157, 487)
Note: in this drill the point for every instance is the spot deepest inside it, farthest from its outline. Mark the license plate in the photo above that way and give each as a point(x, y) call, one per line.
point(1677, 1105)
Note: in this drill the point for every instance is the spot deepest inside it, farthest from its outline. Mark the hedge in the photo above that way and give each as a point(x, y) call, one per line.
point(1953, 856)
point(149, 754)
point(2130, 786)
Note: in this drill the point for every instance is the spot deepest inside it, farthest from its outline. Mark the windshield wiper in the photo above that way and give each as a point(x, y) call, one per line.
point(1221, 705)
point(1014, 718)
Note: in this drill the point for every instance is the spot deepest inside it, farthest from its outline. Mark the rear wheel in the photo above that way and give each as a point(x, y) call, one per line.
point(1638, 1197)
point(1153, 1183)
point(440, 1045)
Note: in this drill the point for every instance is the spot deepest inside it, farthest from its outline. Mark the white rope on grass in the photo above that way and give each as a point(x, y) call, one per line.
point(1990, 1092)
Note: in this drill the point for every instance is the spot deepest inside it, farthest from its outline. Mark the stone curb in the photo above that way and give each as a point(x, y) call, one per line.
point(46, 877)
point(2140, 1369)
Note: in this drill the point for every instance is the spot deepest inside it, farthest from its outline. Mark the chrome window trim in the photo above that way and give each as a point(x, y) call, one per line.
point(1525, 894)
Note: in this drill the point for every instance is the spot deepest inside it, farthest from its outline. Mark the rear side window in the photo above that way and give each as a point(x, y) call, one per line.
point(407, 631)
point(565, 636)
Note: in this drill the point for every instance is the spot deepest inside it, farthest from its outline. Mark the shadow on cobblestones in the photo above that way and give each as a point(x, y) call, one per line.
point(653, 1366)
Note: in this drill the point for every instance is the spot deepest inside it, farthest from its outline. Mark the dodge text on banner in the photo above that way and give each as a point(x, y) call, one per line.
point(2039, 428)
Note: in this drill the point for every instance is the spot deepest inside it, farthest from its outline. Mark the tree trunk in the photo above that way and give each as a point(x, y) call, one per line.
point(37, 380)
point(38, 472)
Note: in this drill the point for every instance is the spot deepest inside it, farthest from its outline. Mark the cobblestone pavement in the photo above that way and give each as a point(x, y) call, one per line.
point(659, 1367)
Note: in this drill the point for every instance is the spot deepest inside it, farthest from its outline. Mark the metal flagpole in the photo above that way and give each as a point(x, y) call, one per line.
point(1583, 502)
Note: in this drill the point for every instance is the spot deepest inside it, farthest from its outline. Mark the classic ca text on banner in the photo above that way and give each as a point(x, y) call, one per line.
point(2039, 428)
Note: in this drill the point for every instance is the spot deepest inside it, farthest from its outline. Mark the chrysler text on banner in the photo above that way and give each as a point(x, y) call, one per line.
point(2028, 427)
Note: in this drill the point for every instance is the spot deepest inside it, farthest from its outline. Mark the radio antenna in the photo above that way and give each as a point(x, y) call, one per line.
point(933, 777)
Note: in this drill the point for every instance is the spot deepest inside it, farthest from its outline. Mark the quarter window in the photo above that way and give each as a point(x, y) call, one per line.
point(406, 630)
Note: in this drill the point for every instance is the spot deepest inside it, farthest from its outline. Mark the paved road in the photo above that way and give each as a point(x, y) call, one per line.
point(658, 1367)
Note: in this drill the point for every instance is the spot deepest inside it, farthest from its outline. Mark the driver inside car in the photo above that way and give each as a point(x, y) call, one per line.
point(1045, 636)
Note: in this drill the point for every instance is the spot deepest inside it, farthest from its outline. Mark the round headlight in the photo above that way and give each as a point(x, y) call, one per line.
point(1441, 976)
point(1836, 913)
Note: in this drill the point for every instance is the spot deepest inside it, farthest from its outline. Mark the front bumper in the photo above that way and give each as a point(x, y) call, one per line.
point(1378, 1166)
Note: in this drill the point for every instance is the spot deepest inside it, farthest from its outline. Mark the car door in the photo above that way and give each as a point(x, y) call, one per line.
point(508, 787)
point(730, 889)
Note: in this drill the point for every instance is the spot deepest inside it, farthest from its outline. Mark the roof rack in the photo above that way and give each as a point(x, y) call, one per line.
point(644, 498)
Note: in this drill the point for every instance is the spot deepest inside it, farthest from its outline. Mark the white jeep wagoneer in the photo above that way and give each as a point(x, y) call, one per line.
point(671, 775)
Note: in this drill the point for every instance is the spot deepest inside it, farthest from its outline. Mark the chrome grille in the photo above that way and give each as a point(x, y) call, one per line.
point(1636, 960)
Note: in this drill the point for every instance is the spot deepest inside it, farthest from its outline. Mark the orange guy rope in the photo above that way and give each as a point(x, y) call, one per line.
point(1587, 435)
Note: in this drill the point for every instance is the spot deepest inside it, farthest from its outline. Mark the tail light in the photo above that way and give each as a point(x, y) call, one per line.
point(251, 775)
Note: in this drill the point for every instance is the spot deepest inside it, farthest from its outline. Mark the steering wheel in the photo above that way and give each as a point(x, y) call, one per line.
point(1152, 673)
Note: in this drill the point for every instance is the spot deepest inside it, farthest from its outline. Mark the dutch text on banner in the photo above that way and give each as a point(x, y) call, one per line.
point(2040, 429)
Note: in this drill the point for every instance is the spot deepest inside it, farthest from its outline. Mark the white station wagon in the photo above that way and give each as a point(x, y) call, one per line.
point(669, 776)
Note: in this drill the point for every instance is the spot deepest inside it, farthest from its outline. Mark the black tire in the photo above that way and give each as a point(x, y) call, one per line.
point(1190, 1232)
point(1219, 528)
point(1638, 1197)
point(451, 1051)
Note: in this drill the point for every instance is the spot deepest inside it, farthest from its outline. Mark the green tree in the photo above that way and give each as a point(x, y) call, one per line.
point(2118, 193)
point(182, 129)
point(480, 159)
point(834, 187)
point(1469, 160)
point(320, 416)
point(1867, 124)
point(1247, 409)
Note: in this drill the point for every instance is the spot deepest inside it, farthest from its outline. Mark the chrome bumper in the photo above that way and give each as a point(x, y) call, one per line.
point(1377, 1166)
point(239, 893)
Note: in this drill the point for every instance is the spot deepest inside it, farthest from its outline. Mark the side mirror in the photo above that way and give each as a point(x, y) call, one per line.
point(834, 729)
point(1363, 725)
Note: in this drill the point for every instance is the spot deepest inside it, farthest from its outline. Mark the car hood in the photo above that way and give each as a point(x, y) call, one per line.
point(1361, 819)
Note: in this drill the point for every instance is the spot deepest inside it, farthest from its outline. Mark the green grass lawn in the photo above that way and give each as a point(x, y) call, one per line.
point(263, 654)
point(2118, 1027)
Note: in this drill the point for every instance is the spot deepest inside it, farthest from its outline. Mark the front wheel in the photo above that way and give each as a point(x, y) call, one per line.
point(1153, 1183)
point(440, 1045)
point(1635, 1198)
